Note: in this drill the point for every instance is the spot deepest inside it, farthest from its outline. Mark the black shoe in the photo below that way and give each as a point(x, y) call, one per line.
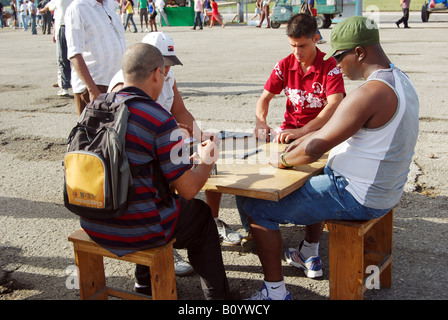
point(407, 27)
point(398, 25)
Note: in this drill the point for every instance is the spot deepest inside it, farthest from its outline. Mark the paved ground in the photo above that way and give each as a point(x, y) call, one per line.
point(223, 74)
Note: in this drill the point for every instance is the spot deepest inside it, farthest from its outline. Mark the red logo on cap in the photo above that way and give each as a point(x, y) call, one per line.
point(170, 48)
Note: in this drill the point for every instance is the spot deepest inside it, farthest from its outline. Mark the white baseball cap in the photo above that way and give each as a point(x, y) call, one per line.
point(165, 44)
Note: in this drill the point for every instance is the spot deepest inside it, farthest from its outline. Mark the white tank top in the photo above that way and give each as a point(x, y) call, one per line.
point(375, 162)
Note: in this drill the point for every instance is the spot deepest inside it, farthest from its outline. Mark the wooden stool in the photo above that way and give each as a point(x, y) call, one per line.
point(92, 281)
point(353, 247)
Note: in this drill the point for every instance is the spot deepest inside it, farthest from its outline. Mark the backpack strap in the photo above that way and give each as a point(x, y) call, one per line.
point(159, 181)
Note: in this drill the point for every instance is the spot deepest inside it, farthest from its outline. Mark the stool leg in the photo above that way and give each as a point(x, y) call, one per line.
point(386, 275)
point(380, 240)
point(346, 262)
point(91, 275)
point(163, 278)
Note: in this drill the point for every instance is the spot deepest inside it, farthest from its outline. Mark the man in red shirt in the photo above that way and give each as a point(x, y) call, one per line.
point(314, 87)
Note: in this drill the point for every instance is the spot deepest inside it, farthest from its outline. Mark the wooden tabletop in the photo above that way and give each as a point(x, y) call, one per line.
point(254, 177)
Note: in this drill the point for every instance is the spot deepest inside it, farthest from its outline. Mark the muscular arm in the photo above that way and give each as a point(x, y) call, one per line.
point(322, 118)
point(371, 105)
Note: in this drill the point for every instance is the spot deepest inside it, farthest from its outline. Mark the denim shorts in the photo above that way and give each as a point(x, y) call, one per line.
point(323, 197)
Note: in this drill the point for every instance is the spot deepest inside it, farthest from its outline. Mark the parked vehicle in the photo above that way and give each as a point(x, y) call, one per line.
point(283, 10)
point(434, 6)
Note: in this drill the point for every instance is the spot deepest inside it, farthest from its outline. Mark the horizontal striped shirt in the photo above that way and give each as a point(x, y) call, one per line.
point(152, 133)
point(95, 31)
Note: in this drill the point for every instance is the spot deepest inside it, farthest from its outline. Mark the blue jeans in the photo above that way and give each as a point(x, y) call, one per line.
point(33, 24)
point(323, 197)
point(24, 21)
point(197, 20)
point(130, 17)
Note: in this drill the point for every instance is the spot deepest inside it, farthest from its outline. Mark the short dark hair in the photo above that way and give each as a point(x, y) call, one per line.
point(301, 25)
point(139, 60)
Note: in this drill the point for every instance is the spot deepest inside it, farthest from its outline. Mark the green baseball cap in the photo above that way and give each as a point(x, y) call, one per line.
point(353, 32)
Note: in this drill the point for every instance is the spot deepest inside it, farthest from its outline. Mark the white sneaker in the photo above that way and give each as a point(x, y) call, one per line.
point(181, 267)
point(227, 235)
point(63, 92)
point(311, 266)
point(263, 294)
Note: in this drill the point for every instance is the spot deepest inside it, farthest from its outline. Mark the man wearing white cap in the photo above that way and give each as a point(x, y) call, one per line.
point(170, 97)
point(172, 101)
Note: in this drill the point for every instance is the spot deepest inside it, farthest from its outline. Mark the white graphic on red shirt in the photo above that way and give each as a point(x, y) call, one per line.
point(335, 71)
point(302, 99)
point(278, 72)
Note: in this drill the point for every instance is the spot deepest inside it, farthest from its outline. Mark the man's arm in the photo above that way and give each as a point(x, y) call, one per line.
point(182, 115)
point(371, 105)
point(261, 127)
point(81, 68)
point(322, 118)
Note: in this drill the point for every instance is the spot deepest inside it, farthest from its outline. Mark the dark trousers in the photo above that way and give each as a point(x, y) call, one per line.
point(196, 231)
point(405, 17)
point(265, 14)
point(197, 20)
point(47, 20)
point(83, 98)
point(64, 66)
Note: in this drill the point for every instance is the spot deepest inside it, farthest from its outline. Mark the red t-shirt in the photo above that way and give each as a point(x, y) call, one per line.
point(306, 93)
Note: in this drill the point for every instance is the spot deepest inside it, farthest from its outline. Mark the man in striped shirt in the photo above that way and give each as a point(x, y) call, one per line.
point(152, 133)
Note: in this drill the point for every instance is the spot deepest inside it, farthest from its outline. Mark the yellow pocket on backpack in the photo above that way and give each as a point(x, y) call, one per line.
point(85, 179)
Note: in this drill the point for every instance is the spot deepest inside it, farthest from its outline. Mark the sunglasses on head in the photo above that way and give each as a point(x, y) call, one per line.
point(338, 56)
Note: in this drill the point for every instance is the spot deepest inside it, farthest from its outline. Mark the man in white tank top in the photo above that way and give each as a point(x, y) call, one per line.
point(371, 136)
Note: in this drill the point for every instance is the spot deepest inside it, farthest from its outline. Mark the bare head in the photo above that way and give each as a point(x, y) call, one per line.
point(139, 61)
point(143, 67)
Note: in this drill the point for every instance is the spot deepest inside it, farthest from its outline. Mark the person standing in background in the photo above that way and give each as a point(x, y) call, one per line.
point(32, 11)
point(160, 6)
point(404, 19)
point(95, 45)
point(23, 9)
point(198, 9)
point(1, 15)
point(59, 7)
point(265, 13)
point(143, 13)
point(130, 15)
point(13, 14)
point(47, 17)
point(216, 16)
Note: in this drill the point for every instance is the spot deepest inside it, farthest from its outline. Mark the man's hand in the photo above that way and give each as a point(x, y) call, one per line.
point(262, 131)
point(185, 130)
point(209, 150)
point(287, 135)
point(94, 93)
point(275, 160)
